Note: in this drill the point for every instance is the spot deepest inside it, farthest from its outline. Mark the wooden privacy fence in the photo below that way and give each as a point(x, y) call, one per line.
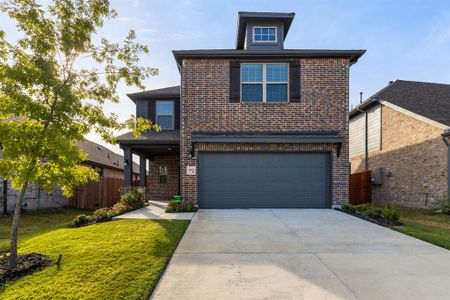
point(360, 188)
point(96, 194)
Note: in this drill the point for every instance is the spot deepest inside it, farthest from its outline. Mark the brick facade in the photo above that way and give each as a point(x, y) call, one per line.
point(415, 160)
point(157, 191)
point(323, 106)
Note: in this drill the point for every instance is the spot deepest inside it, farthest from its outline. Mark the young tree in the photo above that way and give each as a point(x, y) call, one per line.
point(48, 101)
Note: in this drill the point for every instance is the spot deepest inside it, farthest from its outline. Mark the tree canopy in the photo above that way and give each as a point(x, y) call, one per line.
point(49, 101)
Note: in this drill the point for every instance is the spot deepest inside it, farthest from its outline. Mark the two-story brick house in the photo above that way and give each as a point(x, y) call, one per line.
point(254, 126)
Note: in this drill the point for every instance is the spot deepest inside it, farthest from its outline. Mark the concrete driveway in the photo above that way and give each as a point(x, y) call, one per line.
point(301, 254)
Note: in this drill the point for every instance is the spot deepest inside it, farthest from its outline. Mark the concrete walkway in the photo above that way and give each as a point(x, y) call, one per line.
point(155, 211)
point(301, 254)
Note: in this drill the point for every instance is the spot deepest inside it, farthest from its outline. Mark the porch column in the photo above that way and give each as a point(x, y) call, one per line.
point(142, 171)
point(128, 167)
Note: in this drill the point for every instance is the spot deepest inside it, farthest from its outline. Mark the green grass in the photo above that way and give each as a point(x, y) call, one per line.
point(112, 260)
point(426, 225)
point(37, 222)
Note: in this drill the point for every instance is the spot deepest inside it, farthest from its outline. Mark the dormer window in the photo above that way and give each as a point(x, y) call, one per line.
point(264, 34)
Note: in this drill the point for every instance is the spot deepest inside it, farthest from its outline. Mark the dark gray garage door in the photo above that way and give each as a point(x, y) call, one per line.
point(263, 180)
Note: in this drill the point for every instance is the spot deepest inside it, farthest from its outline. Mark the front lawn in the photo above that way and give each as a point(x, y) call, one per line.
point(426, 225)
point(37, 222)
point(113, 260)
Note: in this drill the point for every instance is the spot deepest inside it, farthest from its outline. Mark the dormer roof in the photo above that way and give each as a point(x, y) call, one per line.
point(245, 16)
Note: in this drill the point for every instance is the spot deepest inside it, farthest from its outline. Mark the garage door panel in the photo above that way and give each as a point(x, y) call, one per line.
point(244, 180)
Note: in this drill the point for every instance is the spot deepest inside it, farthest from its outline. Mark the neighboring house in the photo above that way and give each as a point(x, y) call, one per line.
point(106, 191)
point(254, 126)
point(406, 149)
point(108, 164)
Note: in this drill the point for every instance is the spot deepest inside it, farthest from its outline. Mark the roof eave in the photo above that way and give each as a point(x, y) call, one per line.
point(134, 98)
point(352, 55)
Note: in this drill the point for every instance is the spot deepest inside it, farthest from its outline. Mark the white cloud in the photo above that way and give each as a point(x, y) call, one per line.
point(438, 36)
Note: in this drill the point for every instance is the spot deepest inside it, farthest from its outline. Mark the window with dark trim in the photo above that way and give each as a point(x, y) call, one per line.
point(163, 173)
point(264, 82)
point(263, 34)
point(165, 114)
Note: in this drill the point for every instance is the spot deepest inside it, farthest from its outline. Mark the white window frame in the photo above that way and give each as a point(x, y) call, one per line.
point(173, 114)
point(265, 83)
point(262, 27)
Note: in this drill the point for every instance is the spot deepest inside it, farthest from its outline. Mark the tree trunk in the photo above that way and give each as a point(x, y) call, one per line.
point(15, 227)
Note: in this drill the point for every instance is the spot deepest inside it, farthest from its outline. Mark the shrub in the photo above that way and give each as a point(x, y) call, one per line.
point(130, 200)
point(365, 207)
point(390, 213)
point(118, 209)
point(101, 215)
point(374, 212)
point(180, 207)
point(133, 198)
point(443, 205)
point(80, 220)
point(348, 207)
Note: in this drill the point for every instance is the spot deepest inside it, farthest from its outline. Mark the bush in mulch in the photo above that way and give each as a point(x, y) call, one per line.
point(180, 207)
point(386, 215)
point(26, 264)
point(130, 200)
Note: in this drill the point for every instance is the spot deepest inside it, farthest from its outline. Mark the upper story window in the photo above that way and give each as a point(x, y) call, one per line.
point(165, 114)
point(264, 34)
point(264, 82)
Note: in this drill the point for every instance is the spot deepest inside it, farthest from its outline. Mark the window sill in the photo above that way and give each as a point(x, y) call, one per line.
point(266, 103)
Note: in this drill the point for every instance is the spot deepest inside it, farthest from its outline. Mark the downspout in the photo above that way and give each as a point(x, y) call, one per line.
point(446, 139)
point(366, 139)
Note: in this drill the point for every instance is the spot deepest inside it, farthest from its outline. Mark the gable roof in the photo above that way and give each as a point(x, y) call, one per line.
point(101, 155)
point(245, 16)
point(429, 100)
point(168, 92)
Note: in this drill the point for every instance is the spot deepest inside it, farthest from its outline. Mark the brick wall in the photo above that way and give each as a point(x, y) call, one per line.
point(163, 191)
point(323, 106)
point(414, 157)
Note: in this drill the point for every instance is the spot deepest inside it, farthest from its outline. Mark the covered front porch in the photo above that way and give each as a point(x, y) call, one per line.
point(159, 163)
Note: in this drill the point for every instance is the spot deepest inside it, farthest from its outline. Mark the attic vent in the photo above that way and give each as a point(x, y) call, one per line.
point(99, 149)
point(107, 155)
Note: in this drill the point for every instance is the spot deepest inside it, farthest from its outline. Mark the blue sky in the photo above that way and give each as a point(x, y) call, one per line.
point(404, 39)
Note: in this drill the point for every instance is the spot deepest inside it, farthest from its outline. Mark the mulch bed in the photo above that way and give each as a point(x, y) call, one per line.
point(380, 221)
point(26, 264)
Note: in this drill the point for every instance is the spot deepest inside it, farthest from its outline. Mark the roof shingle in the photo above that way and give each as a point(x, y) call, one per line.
point(430, 100)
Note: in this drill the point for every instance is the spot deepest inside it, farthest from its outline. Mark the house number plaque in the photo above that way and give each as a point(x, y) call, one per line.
point(191, 170)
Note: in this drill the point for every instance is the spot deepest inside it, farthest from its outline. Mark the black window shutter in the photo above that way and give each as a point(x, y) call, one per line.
point(235, 81)
point(294, 81)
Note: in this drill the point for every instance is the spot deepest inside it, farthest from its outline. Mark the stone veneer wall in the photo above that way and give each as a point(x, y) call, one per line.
point(414, 157)
point(163, 191)
point(323, 106)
